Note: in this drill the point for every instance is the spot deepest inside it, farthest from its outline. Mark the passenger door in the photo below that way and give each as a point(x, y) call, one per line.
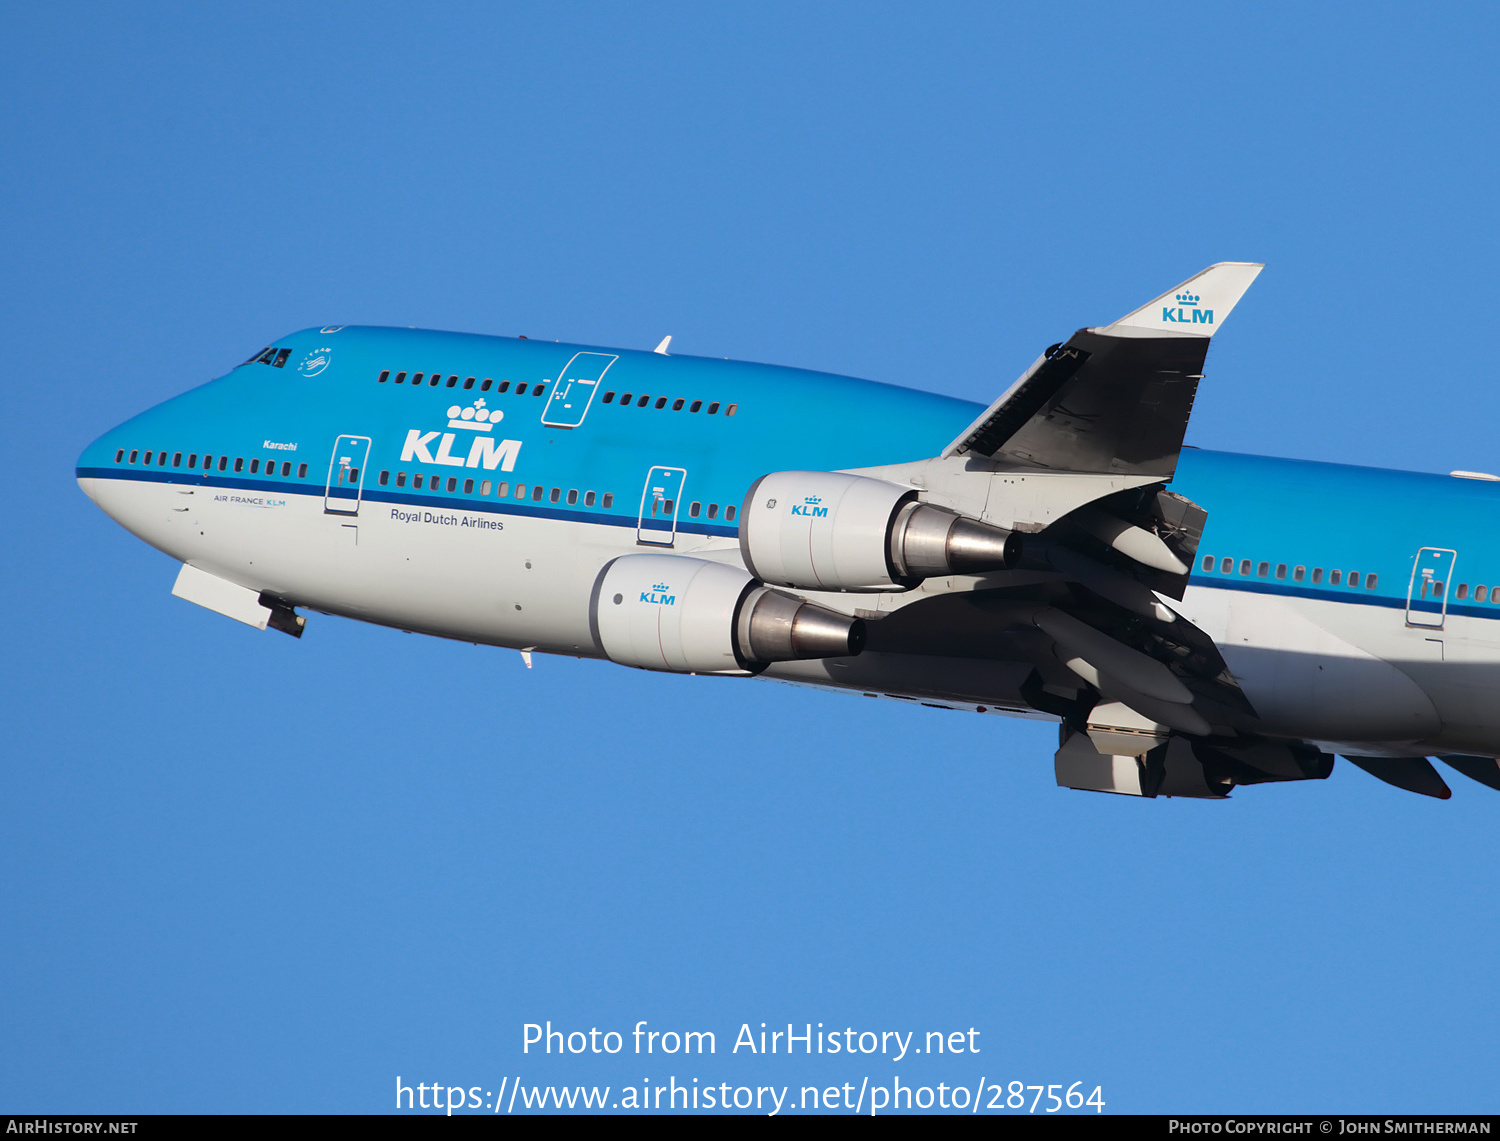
point(660, 500)
point(346, 475)
point(1431, 580)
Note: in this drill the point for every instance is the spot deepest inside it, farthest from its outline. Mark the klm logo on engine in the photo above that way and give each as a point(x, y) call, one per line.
point(810, 508)
point(1187, 311)
point(658, 595)
point(483, 449)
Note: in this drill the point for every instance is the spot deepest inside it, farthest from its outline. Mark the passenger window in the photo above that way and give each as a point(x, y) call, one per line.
point(520, 390)
point(520, 491)
point(572, 496)
point(1479, 593)
point(1334, 577)
point(1369, 582)
point(537, 389)
point(1208, 562)
point(714, 407)
point(1244, 566)
point(193, 460)
point(254, 467)
point(468, 487)
point(588, 499)
point(609, 398)
point(400, 479)
point(609, 499)
point(147, 460)
point(695, 406)
point(1299, 573)
point(485, 387)
point(1354, 578)
point(626, 399)
point(1462, 592)
point(643, 401)
point(134, 455)
point(1281, 570)
point(502, 490)
point(730, 411)
point(416, 480)
point(416, 377)
point(661, 402)
point(677, 404)
point(452, 483)
point(401, 377)
point(161, 459)
point(120, 455)
point(176, 459)
point(301, 471)
point(452, 380)
point(1437, 589)
point(1226, 566)
point(239, 463)
point(1263, 570)
point(484, 488)
point(713, 510)
point(1317, 574)
point(385, 375)
point(385, 477)
point(537, 492)
point(468, 383)
point(434, 380)
point(556, 494)
point(504, 386)
point(286, 469)
point(729, 511)
point(693, 509)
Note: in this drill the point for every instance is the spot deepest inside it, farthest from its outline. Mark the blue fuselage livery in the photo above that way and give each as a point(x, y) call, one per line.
point(1193, 620)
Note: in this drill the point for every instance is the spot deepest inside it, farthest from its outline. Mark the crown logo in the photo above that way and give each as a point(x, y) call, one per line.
point(1188, 299)
point(660, 586)
point(475, 418)
point(813, 500)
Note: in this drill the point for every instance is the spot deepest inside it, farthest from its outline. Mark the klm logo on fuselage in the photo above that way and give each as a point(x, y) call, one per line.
point(810, 508)
point(1187, 311)
point(658, 595)
point(484, 450)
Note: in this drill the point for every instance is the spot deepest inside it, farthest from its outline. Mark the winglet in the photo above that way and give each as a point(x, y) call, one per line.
point(662, 348)
point(1196, 308)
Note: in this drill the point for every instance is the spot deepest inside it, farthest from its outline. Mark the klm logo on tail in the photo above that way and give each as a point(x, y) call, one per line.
point(810, 508)
point(1187, 312)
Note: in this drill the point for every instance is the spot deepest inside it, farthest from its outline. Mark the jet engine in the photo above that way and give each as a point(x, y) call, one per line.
point(824, 530)
point(671, 612)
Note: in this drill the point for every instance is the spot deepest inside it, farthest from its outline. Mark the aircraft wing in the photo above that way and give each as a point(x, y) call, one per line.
point(1116, 399)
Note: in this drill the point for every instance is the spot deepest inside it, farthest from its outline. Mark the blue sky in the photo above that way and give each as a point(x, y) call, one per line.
point(245, 873)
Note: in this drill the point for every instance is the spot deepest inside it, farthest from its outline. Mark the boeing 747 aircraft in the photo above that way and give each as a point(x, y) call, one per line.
point(1192, 620)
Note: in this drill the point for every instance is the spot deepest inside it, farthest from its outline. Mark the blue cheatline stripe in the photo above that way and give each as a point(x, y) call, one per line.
point(402, 498)
point(1348, 597)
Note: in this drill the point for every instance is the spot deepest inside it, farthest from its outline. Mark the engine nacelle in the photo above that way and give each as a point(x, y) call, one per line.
point(824, 530)
point(686, 615)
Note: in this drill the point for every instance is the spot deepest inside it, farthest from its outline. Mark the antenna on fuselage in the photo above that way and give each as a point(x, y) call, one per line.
point(662, 348)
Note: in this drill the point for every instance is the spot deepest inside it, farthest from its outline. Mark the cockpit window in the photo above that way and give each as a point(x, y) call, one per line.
point(271, 355)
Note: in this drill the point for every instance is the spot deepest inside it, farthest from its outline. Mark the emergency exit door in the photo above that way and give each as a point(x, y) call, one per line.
point(660, 500)
point(1431, 583)
point(346, 475)
point(574, 389)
